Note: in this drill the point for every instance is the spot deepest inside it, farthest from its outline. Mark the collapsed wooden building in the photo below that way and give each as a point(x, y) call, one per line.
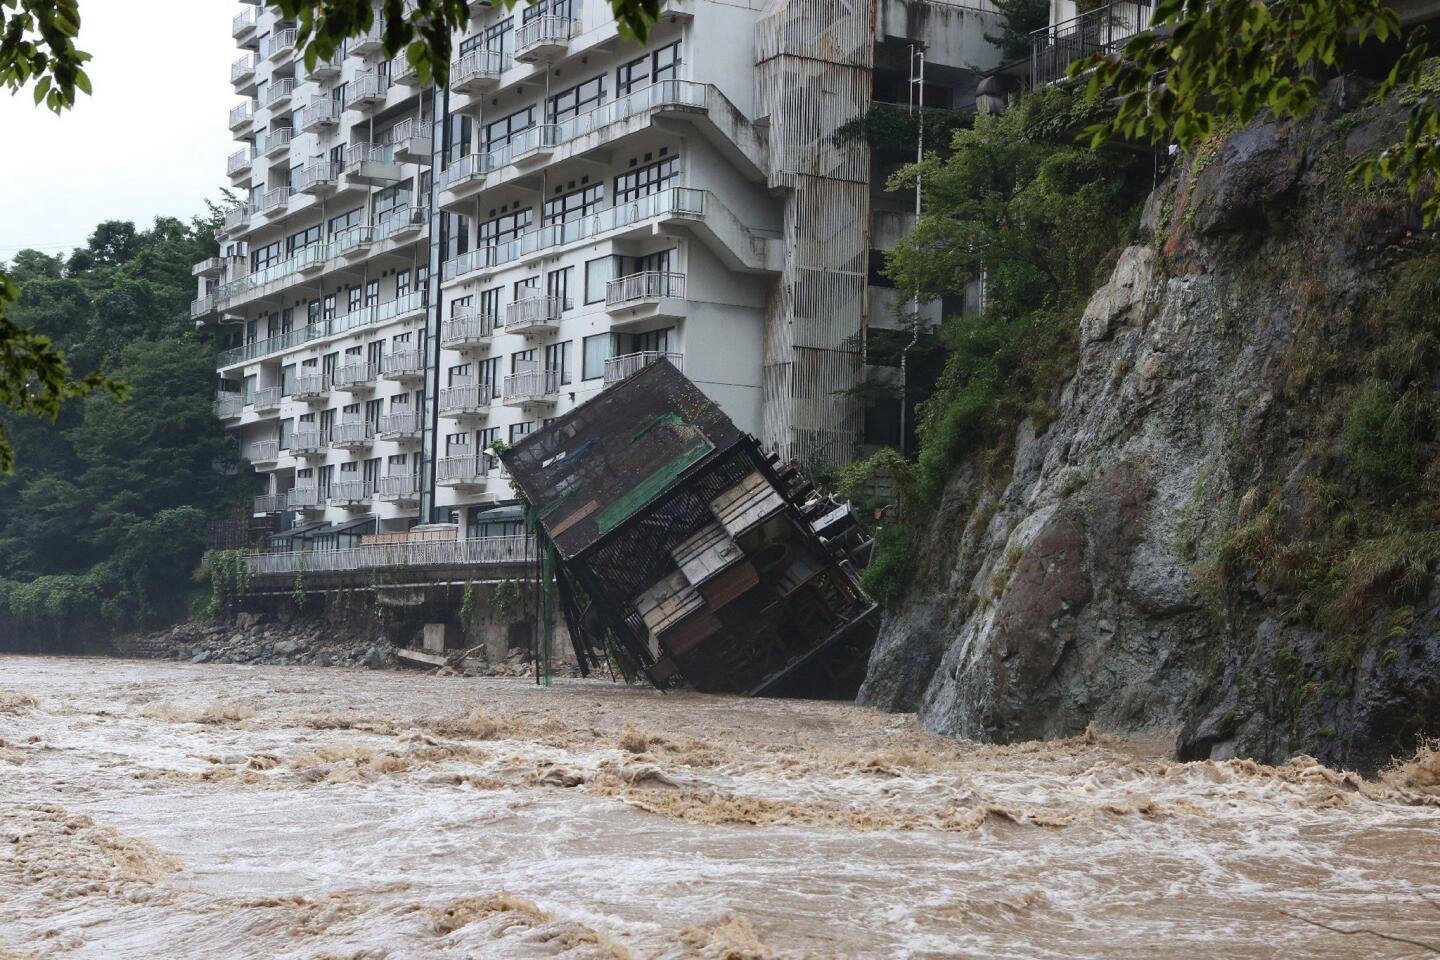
point(684, 552)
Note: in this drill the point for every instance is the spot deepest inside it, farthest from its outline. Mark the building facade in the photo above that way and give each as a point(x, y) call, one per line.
point(416, 273)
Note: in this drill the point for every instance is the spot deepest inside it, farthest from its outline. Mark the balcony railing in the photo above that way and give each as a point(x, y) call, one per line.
point(307, 385)
point(536, 141)
point(242, 23)
point(263, 451)
point(241, 114)
point(1101, 30)
point(466, 398)
point(270, 503)
point(409, 554)
point(277, 44)
point(665, 93)
point(467, 329)
point(352, 432)
point(275, 142)
point(370, 41)
point(472, 469)
point(203, 306)
point(301, 497)
point(236, 217)
point(366, 90)
point(532, 385)
point(618, 368)
point(477, 70)
point(276, 200)
point(279, 91)
point(400, 307)
point(542, 34)
point(266, 398)
point(641, 287)
point(319, 175)
point(329, 69)
point(352, 240)
point(242, 69)
point(356, 375)
point(322, 112)
point(401, 221)
point(470, 169)
point(397, 426)
point(228, 405)
point(402, 364)
point(351, 491)
point(398, 487)
point(306, 441)
point(534, 313)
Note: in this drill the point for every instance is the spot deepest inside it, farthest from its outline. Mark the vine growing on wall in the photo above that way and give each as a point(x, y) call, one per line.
point(505, 603)
point(467, 605)
point(229, 580)
point(297, 588)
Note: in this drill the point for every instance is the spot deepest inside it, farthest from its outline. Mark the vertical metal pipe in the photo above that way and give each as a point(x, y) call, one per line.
point(430, 416)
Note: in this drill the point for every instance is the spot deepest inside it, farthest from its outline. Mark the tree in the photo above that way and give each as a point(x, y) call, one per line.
point(1018, 19)
point(1205, 62)
point(38, 51)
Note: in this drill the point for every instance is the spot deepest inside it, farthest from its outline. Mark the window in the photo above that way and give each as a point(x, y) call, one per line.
point(457, 444)
point(400, 341)
point(374, 350)
point(524, 289)
point(345, 220)
point(402, 284)
point(651, 178)
point(459, 375)
point(302, 239)
point(337, 155)
point(653, 263)
point(500, 132)
point(329, 311)
point(372, 293)
point(557, 285)
point(287, 319)
point(327, 425)
point(312, 312)
point(574, 205)
point(598, 273)
point(454, 235)
point(391, 199)
point(400, 403)
point(287, 380)
point(422, 277)
point(499, 38)
point(371, 472)
point(327, 368)
point(490, 302)
point(396, 464)
point(577, 100)
point(252, 331)
point(373, 411)
point(247, 389)
point(262, 257)
point(326, 479)
point(546, 8)
point(459, 132)
point(287, 430)
point(632, 76)
point(353, 299)
point(506, 227)
point(521, 361)
point(489, 372)
point(596, 350)
point(557, 358)
point(518, 431)
point(657, 341)
point(460, 305)
point(666, 63)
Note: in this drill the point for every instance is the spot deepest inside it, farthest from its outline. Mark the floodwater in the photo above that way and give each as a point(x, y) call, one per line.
point(176, 811)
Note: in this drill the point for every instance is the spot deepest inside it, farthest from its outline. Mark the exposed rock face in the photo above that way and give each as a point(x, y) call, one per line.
point(1085, 591)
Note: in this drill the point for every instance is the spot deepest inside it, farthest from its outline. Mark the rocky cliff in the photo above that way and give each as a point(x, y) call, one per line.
point(1227, 530)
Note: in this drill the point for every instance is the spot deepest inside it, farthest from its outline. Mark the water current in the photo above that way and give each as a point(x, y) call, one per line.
point(183, 811)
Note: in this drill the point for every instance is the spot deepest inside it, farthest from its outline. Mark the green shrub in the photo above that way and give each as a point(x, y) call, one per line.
point(1384, 433)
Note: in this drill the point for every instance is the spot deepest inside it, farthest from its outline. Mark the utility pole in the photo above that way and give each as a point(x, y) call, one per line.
point(915, 109)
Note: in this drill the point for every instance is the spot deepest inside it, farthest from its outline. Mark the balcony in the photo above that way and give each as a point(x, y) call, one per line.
point(532, 388)
point(353, 435)
point(351, 493)
point(535, 315)
point(366, 91)
point(243, 25)
point(203, 306)
point(409, 553)
point(279, 93)
point(322, 114)
point(534, 144)
point(408, 307)
point(1101, 30)
point(358, 377)
point(319, 178)
point(464, 178)
point(242, 74)
point(372, 163)
point(464, 472)
point(270, 503)
point(238, 164)
point(468, 331)
point(401, 223)
point(328, 70)
point(352, 241)
point(241, 115)
point(543, 38)
point(263, 451)
point(266, 400)
point(618, 368)
point(228, 405)
point(279, 46)
point(276, 201)
point(399, 426)
point(402, 72)
point(371, 41)
point(402, 365)
point(277, 143)
point(466, 400)
point(396, 489)
point(236, 219)
point(645, 296)
point(478, 71)
point(209, 267)
point(410, 141)
point(307, 443)
point(303, 498)
point(309, 259)
point(310, 386)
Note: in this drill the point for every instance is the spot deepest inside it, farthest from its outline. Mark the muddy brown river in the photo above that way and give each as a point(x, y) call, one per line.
point(178, 811)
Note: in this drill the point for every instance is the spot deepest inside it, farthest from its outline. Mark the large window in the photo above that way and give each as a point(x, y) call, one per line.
point(392, 198)
point(303, 238)
point(598, 273)
point(557, 358)
point(349, 219)
point(557, 285)
point(454, 235)
point(500, 132)
point(651, 178)
point(575, 204)
point(596, 350)
point(578, 99)
point(287, 380)
point(459, 130)
point(488, 371)
point(262, 257)
point(547, 8)
point(666, 62)
point(499, 37)
point(661, 64)
point(505, 227)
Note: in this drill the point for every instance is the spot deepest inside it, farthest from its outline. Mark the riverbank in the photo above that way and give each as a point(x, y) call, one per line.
point(159, 808)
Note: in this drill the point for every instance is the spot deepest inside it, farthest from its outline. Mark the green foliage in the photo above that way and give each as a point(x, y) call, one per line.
point(229, 579)
point(299, 593)
point(893, 563)
point(1205, 63)
point(505, 601)
point(37, 45)
point(863, 483)
point(467, 605)
point(1018, 19)
point(1383, 435)
point(892, 126)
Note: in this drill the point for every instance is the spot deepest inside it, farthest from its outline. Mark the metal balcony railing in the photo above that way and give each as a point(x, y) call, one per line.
point(618, 368)
point(351, 491)
point(241, 114)
point(361, 374)
point(534, 313)
point(401, 364)
point(203, 306)
point(640, 287)
point(470, 168)
point(366, 89)
point(236, 217)
point(472, 468)
point(242, 23)
point(400, 220)
point(398, 425)
point(352, 239)
point(538, 139)
point(275, 142)
point(532, 385)
point(263, 451)
point(301, 497)
point(322, 112)
point(318, 174)
point(242, 69)
point(277, 44)
point(409, 129)
point(270, 503)
point(665, 93)
point(266, 398)
point(351, 432)
point(466, 397)
point(308, 384)
point(542, 32)
point(1101, 30)
point(228, 405)
point(331, 68)
point(398, 487)
point(476, 69)
point(306, 441)
point(239, 162)
point(467, 329)
point(278, 91)
point(276, 199)
point(409, 554)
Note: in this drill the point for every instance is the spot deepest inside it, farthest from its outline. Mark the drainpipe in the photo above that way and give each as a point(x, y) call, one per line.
point(917, 109)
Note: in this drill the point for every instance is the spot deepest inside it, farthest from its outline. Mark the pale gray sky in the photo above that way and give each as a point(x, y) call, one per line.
point(152, 140)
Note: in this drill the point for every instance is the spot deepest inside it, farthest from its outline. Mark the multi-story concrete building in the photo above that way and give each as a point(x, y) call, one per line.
point(416, 273)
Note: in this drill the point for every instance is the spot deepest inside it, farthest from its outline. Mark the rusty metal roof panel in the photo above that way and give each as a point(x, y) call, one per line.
point(597, 465)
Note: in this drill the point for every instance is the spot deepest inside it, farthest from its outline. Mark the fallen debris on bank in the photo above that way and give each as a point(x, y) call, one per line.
point(681, 550)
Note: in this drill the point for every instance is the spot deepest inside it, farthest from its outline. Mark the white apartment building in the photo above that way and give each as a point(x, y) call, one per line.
point(416, 273)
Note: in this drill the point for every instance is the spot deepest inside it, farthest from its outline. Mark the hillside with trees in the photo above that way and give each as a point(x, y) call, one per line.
point(103, 521)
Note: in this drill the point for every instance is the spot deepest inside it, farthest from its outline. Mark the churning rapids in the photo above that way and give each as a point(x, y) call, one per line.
point(178, 811)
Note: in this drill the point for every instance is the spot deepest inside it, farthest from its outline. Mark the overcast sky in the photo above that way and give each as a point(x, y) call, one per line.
point(152, 140)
